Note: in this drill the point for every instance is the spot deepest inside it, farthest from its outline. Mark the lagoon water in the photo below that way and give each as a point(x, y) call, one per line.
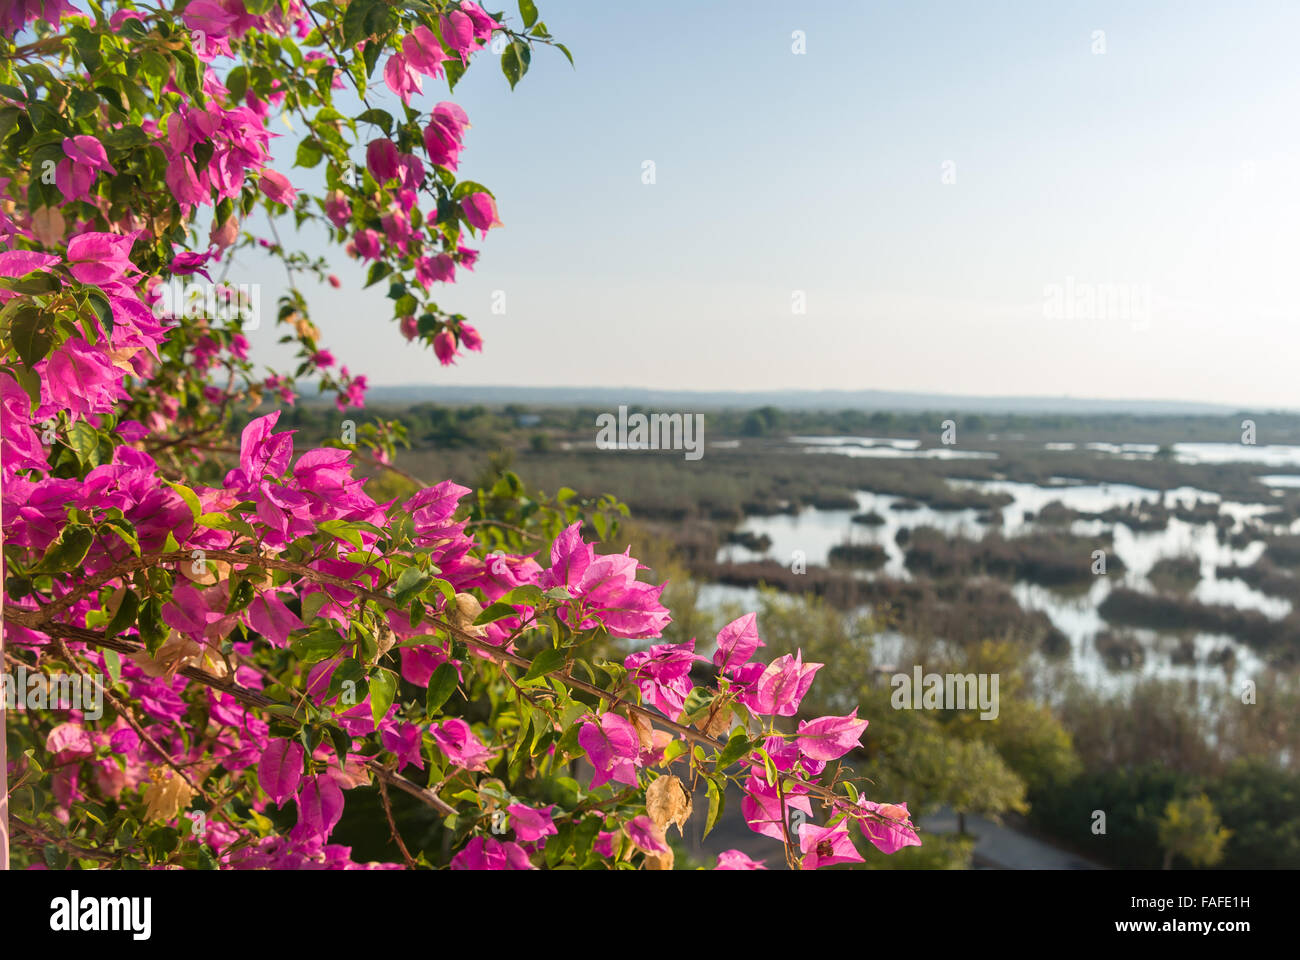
point(1074, 613)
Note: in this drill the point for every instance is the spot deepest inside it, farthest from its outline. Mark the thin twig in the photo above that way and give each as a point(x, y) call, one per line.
point(392, 825)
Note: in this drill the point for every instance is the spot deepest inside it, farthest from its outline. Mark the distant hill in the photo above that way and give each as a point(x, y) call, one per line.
point(683, 400)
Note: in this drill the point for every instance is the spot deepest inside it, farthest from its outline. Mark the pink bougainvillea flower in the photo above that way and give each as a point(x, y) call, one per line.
point(888, 837)
point(381, 159)
point(737, 642)
point(280, 770)
point(663, 675)
point(444, 347)
point(606, 588)
point(277, 187)
point(613, 747)
point(188, 262)
point(410, 327)
point(402, 77)
point(419, 663)
point(762, 808)
point(85, 150)
point(457, 32)
point(455, 739)
point(735, 860)
point(488, 853)
point(785, 754)
point(79, 378)
point(829, 738)
point(101, 258)
point(823, 846)
point(20, 444)
point(432, 510)
point(272, 619)
point(781, 687)
point(320, 807)
point(19, 263)
point(338, 209)
point(444, 135)
point(470, 338)
point(439, 269)
point(397, 228)
point(423, 52)
point(403, 739)
point(69, 740)
point(605, 843)
point(483, 24)
point(85, 157)
point(16, 15)
point(367, 244)
point(645, 835)
point(481, 211)
point(531, 825)
point(210, 19)
point(262, 452)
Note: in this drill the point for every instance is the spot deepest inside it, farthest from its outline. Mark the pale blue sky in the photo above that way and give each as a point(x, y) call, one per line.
point(1169, 165)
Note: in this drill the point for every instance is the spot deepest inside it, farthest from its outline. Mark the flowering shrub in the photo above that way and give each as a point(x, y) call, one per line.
point(271, 639)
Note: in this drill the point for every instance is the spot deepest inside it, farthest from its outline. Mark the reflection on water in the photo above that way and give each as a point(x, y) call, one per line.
point(814, 532)
point(885, 448)
point(1274, 455)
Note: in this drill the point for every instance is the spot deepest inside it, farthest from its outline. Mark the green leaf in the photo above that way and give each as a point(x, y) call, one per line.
point(30, 341)
point(673, 751)
point(342, 744)
point(528, 10)
point(410, 584)
point(381, 118)
point(241, 595)
point(354, 22)
point(717, 801)
point(454, 70)
point(124, 533)
point(29, 381)
point(153, 630)
point(55, 857)
point(309, 153)
point(8, 120)
point(236, 82)
point(67, 552)
point(526, 595)
point(189, 496)
point(514, 61)
point(467, 187)
point(441, 686)
point(343, 530)
point(498, 611)
point(734, 750)
point(321, 642)
point(34, 284)
point(103, 312)
point(568, 745)
point(383, 688)
point(565, 50)
point(124, 617)
point(84, 441)
point(113, 663)
point(548, 661)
